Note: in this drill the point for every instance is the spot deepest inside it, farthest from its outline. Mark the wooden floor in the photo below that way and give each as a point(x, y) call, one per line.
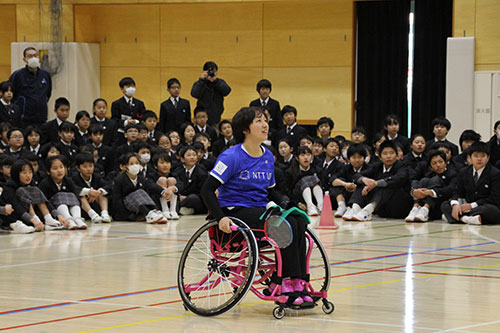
point(387, 276)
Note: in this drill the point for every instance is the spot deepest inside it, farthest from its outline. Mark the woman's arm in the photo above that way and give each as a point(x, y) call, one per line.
point(208, 194)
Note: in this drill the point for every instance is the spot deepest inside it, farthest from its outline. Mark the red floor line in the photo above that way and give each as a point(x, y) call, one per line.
point(334, 276)
point(430, 253)
point(451, 274)
point(37, 307)
point(162, 239)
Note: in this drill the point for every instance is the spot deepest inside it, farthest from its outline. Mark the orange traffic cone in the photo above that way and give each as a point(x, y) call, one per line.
point(327, 221)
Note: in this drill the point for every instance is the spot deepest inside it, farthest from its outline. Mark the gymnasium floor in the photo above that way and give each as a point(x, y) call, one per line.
point(387, 276)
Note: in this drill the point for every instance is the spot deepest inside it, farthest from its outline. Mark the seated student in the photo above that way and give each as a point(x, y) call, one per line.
point(29, 202)
point(4, 142)
point(132, 193)
point(99, 108)
point(279, 176)
point(38, 173)
point(226, 134)
point(382, 189)
point(187, 133)
point(264, 89)
point(131, 134)
point(175, 110)
point(62, 192)
point(17, 227)
point(400, 152)
point(431, 191)
point(324, 127)
point(175, 140)
point(166, 179)
point(344, 146)
point(342, 183)
point(164, 145)
point(143, 133)
point(9, 112)
point(5, 167)
point(477, 199)
point(82, 123)
point(304, 182)
point(417, 152)
point(126, 110)
point(494, 144)
point(151, 120)
point(445, 147)
point(192, 176)
point(467, 138)
point(50, 129)
point(330, 164)
point(307, 141)
point(98, 169)
point(291, 131)
point(143, 152)
point(16, 143)
point(358, 135)
point(204, 157)
point(391, 129)
point(318, 149)
point(104, 152)
point(93, 189)
point(200, 123)
point(49, 149)
point(285, 158)
point(32, 140)
point(65, 145)
point(440, 127)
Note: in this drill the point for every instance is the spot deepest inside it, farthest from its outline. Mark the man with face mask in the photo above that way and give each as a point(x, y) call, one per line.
point(32, 89)
point(127, 109)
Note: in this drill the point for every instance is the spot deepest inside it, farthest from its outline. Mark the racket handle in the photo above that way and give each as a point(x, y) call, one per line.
point(234, 227)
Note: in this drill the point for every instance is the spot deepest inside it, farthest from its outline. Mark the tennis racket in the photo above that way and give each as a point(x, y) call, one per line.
point(276, 228)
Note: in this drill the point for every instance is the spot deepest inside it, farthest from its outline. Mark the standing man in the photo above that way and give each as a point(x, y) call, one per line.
point(210, 92)
point(32, 89)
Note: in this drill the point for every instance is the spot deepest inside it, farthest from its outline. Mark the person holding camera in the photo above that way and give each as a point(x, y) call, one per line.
point(210, 92)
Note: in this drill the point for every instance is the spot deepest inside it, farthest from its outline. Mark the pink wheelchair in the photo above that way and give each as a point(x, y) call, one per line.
point(216, 270)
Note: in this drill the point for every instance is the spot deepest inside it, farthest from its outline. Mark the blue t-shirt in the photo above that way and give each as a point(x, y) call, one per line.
point(245, 179)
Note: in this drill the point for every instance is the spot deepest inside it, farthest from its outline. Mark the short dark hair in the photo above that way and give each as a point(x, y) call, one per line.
point(82, 113)
point(184, 150)
point(66, 126)
point(288, 108)
point(441, 121)
point(317, 140)
point(479, 147)
point(414, 136)
point(330, 140)
point(325, 120)
point(198, 109)
point(302, 150)
point(88, 149)
point(390, 144)
point(198, 146)
point(30, 129)
point(83, 158)
point(210, 65)
point(469, 135)
point(130, 126)
point(50, 160)
point(8, 160)
point(96, 129)
point(17, 168)
point(61, 101)
point(5, 86)
point(141, 127)
point(123, 160)
point(9, 133)
point(172, 81)
point(287, 140)
point(440, 144)
point(30, 157)
point(94, 103)
point(264, 83)
point(241, 121)
point(203, 134)
point(359, 129)
point(222, 123)
point(433, 153)
point(356, 148)
point(391, 119)
point(126, 81)
point(183, 128)
point(140, 145)
point(161, 156)
point(29, 48)
point(149, 114)
point(307, 137)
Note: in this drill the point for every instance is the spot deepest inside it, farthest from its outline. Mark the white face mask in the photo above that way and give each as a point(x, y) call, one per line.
point(33, 62)
point(130, 91)
point(134, 169)
point(145, 158)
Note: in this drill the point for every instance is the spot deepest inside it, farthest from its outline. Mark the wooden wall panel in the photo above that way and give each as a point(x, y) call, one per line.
point(28, 23)
point(7, 36)
point(229, 34)
point(5, 72)
point(68, 23)
point(464, 18)
point(129, 35)
point(308, 34)
point(487, 32)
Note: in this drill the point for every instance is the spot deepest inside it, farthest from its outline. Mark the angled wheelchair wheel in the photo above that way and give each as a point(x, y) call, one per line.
point(216, 270)
point(319, 265)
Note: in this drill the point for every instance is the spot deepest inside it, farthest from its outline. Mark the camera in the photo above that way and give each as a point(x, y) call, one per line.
point(210, 72)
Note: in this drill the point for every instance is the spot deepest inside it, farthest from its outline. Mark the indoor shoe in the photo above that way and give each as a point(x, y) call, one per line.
point(347, 215)
point(422, 215)
point(299, 286)
point(413, 213)
point(340, 211)
point(474, 220)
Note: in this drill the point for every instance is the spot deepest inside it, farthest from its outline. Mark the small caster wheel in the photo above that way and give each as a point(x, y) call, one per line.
point(278, 312)
point(327, 307)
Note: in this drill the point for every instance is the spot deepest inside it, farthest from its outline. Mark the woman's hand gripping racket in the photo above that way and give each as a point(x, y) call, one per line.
point(275, 227)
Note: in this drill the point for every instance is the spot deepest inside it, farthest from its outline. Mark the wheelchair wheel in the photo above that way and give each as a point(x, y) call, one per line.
point(319, 265)
point(216, 270)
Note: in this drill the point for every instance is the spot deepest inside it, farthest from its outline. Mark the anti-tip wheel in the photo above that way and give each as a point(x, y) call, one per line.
point(327, 307)
point(278, 312)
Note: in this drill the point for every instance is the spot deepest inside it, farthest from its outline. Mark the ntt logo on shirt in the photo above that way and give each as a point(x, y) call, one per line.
point(260, 175)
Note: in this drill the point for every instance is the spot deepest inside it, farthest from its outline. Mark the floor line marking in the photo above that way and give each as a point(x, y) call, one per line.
point(471, 326)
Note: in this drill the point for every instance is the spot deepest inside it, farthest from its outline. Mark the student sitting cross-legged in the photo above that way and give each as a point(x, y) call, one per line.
point(477, 199)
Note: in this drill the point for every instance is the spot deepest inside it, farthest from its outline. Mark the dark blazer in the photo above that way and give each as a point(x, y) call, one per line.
point(82, 140)
point(403, 141)
point(294, 136)
point(454, 147)
point(49, 188)
point(218, 146)
point(411, 161)
point(346, 173)
point(109, 127)
point(325, 174)
point(208, 163)
point(171, 117)
point(459, 161)
point(273, 106)
point(154, 139)
point(194, 183)
point(486, 190)
point(211, 96)
point(119, 151)
point(96, 183)
point(106, 158)
point(19, 154)
point(149, 172)
point(10, 114)
point(494, 150)
point(121, 107)
point(209, 130)
point(396, 177)
point(69, 151)
point(50, 132)
point(448, 183)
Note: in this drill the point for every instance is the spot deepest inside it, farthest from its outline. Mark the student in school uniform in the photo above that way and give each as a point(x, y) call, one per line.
point(467, 138)
point(264, 89)
point(38, 169)
point(105, 152)
point(150, 120)
point(417, 154)
point(4, 143)
point(285, 151)
point(200, 123)
point(226, 134)
point(477, 199)
point(131, 134)
point(433, 189)
point(382, 189)
point(324, 128)
point(50, 130)
point(494, 144)
point(9, 112)
point(440, 128)
point(99, 108)
point(330, 165)
point(205, 159)
point(192, 176)
point(175, 110)
point(32, 141)
point(16, 143)
point(292, 131)
point(167, 180)
point(143, 151)
point(65, 145)
point(318, 149)
point(127, 109)
point(82, 123)
point(308, 141)
point(391, 130)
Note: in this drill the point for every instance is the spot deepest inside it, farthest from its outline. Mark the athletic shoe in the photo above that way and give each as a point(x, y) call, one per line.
point(154, 217)
point(167, 215)
point(174, 215)
point(96, 219)
point(474, 220)
point(341, 211)
point(105, 218)
point(55, 225)
point(80, 223)
point(348, 214)
point(312, 211)
point(413, 213)
point(422, 215)
point(361, 215)
point(71, 225)
point(186, 211)
point(299, 285)
point(19, 227)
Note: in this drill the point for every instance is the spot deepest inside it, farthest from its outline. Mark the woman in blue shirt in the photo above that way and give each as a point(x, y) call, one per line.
point(244, 177)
